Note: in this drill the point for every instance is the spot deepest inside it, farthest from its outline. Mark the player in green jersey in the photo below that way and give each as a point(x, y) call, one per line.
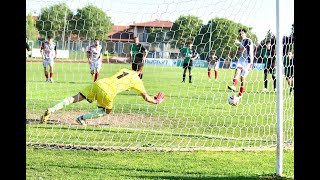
point(188, 55)
point(138, 53)
point(268, 57)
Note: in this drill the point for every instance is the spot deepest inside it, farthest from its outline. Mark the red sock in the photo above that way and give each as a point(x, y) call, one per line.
point(51, 75)
point(215, 74)
point(46, 75)
point(241, 91)
point(235, 82)
point(209, 74)
point(96, 77)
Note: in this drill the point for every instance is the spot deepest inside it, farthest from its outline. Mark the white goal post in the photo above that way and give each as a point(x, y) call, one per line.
point(193, 116)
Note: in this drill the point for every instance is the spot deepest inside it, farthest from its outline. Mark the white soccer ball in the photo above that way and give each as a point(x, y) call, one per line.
point(233, 100)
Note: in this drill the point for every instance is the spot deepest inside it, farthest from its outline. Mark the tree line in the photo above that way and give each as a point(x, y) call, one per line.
point(92, 22)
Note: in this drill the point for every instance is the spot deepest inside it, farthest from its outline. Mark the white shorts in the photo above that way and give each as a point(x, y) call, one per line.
point(214, 66)
point(47, 62)
point(244, 66)
point(96, 65)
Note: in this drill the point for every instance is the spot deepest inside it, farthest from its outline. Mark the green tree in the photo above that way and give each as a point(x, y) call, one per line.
point(53, 20)
point(31, 30)
point(269, 37)
point(156, 35)
point(185, 28)
point(224, 35)
point(91, 22)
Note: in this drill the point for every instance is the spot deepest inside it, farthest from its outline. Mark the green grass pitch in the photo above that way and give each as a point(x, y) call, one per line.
point(192, 115)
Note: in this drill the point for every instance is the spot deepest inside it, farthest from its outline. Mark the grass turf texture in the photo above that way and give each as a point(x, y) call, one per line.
point(192, 115)
point(66, 164)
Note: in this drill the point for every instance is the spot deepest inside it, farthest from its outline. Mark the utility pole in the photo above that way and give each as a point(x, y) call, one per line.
point(210, 32)
point(64, 28)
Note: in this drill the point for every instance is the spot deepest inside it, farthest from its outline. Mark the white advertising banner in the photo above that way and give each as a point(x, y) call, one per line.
point(160, 62)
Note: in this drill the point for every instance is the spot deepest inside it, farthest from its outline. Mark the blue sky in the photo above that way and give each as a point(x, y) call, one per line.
point(259, 14)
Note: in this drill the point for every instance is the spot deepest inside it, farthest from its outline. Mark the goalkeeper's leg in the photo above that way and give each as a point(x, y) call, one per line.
point(65, 102)
point(100, 112)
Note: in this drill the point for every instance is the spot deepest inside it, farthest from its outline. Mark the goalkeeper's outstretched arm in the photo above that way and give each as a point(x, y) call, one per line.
point(155, 100)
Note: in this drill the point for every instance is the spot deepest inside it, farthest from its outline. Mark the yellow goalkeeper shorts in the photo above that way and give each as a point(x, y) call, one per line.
point(95, 93)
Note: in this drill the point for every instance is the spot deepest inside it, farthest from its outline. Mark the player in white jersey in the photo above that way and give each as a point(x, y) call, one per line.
point(213, 63)
point(48, 51)
point(94, 55)
point(244, 63)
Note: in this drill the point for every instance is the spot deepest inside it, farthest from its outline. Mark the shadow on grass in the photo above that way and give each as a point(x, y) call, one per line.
point(263, 177)
point(172, 177)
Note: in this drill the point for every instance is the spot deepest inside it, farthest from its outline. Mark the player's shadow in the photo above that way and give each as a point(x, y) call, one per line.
point(260, 92)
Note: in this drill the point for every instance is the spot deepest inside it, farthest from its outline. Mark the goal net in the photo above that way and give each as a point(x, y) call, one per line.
point(194, 115)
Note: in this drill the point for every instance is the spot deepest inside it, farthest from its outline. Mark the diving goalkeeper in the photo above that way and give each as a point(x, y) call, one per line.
point(104, 91)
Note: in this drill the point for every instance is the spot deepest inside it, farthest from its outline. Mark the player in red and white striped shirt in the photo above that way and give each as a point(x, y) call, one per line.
point(48, 51)
point(94, 55)
point(213, 63)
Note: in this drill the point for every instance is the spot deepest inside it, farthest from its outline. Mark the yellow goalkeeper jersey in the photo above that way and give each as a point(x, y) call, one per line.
point(104, 90)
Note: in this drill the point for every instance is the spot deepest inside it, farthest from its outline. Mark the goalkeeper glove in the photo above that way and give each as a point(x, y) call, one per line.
point(159, 98)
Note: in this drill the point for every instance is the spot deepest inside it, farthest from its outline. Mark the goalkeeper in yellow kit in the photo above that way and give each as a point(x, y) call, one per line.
point(104, 91)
